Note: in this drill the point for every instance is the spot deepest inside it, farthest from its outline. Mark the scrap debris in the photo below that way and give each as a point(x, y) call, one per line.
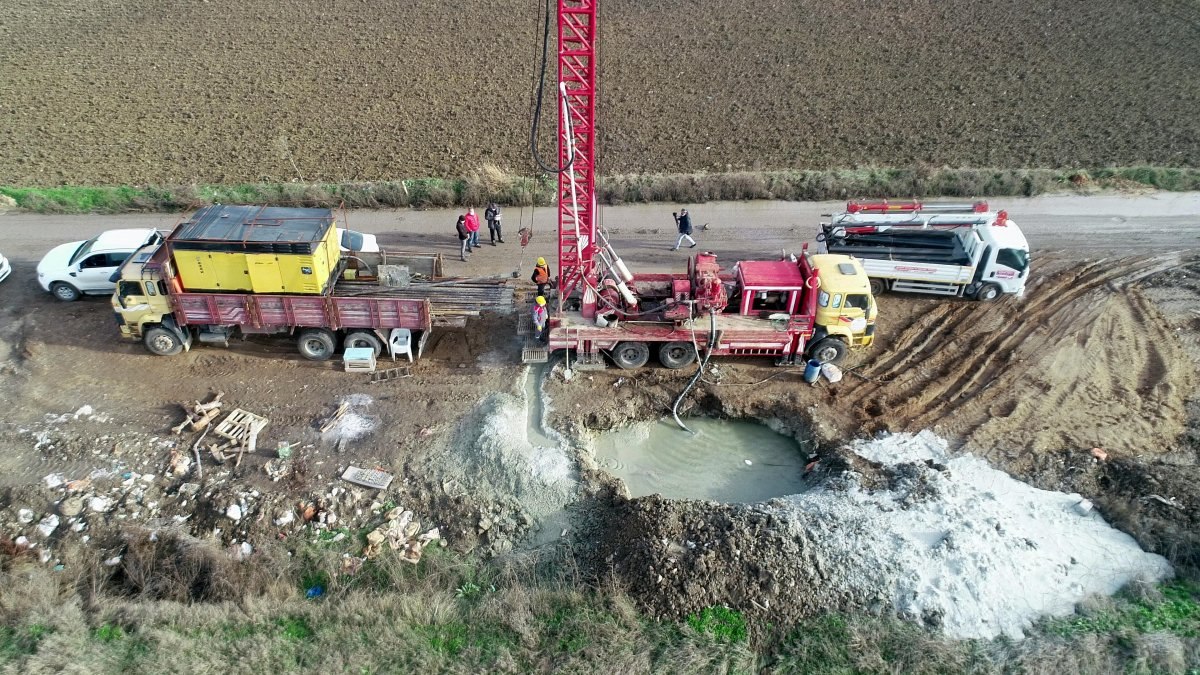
point(371, 478)
point(399, 533)
point(198, 415)
point(333, 419)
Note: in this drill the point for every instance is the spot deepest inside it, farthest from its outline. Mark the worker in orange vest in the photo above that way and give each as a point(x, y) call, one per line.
point(540, 317)
point(541, 276)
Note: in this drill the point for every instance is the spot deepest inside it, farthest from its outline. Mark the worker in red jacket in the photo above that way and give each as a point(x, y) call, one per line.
point(540, 318)
point(472, 223)
point(541, 276)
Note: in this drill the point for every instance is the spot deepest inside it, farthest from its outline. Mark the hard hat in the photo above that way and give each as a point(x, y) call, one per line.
point(541, 261)
point(541, 300)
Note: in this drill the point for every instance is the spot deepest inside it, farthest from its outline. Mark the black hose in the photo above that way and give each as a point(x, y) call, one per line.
point(712, 343)
point(537, 108)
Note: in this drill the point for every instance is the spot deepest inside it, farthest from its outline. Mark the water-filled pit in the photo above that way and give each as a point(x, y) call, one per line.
point(730, 461)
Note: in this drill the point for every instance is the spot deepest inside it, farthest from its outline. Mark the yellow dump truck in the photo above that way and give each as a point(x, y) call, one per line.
point(240, 270)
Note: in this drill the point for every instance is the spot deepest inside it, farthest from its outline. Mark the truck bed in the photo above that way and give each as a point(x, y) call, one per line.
point(255, 313)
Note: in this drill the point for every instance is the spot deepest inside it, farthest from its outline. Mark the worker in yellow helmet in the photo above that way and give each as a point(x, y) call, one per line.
point(540, 318)
point(541, 276)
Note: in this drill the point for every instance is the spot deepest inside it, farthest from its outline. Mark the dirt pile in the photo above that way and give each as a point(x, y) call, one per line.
point(950, 543)
point(222, 91)
point(518, 482)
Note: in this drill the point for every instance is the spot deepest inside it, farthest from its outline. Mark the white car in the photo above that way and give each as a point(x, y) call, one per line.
point(358, 242)
point(5, 268)
point(71, 270)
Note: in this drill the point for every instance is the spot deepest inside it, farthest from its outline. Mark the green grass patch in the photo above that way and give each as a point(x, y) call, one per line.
point(492, 184)
point(109, 633)
point(565, 629)
point(1175, 611)
point(722, 623)
point(486, 640)
point(19, 642)
point(294, 628)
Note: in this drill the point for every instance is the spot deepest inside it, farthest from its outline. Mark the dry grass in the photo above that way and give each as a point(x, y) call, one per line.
point(493, 183)
point(180, 605)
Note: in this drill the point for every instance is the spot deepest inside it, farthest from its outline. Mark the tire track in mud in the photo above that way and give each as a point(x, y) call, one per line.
point(1085, 344)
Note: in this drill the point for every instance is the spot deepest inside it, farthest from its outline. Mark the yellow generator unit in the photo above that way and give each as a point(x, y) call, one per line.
point(257, 249)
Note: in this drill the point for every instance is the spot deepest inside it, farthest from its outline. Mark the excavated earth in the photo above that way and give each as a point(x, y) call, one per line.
point(225, 91)
point(1101, 353)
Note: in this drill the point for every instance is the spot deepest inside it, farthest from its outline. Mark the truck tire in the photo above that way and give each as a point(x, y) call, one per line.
point(630, 355)
point(316, 344)
point(830, 350)
point(362, 338)
point(675, 355)
point(878, 287)
point(162, 341)
point(64, 291)
point(989, 292)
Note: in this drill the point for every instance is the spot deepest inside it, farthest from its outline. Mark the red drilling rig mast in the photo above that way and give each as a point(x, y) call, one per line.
point(577, 33)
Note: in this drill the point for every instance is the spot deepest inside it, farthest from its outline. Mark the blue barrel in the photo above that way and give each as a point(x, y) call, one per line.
point(812, 371)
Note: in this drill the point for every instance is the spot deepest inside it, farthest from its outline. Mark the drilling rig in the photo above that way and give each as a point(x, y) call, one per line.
point(796, 308)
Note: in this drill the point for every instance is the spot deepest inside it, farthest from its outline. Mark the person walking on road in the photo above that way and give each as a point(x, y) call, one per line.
point(472, 223)
point(492, 215)
point(540, 317)
point(464, 238)
point(541, 276)
point(683, 221)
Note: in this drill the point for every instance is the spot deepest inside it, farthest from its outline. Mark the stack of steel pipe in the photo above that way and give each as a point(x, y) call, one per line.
point(456, 297)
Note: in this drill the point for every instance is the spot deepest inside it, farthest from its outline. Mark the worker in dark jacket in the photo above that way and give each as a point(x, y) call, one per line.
point(541, 276)
point(540, 318)
point(463, 238)
point(492, 215)
point(683, 221)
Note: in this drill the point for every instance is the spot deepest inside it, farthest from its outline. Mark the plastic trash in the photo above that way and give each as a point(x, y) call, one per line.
point(314, 592)
point(831, 372)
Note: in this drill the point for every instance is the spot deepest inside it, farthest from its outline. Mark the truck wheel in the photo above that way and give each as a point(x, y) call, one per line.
point(630, 355)
point(316, 344)
point(878, 287)
point(162, 341)
point(830, 350)
point(64, 291)
point(675, 355)
point(988, 293)
point(361, 338)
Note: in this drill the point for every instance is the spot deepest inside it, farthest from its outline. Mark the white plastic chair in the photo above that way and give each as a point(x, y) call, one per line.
point(400, 342)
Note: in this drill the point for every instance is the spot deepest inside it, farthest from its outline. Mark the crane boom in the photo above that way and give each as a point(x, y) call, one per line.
point(577, 33)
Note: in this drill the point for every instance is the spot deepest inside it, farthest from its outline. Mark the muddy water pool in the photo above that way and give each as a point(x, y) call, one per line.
point(724, 460)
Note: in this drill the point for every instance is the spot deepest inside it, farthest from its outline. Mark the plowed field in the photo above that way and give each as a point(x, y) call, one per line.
point(128, 91)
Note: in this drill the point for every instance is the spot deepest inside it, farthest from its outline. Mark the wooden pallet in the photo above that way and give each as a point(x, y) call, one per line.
point(239, 425)
point(390, 374)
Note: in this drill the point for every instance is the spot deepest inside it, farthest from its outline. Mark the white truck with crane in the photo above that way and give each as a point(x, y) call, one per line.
point(944, 249)
point(796, 308)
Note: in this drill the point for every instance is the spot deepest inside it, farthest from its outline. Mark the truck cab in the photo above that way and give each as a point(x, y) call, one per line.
point(142, 304)
point(846, 308)
point(831, 291)
point(1005, 260)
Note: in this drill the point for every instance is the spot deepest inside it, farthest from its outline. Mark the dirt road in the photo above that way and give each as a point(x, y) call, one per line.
point(1086, 225)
